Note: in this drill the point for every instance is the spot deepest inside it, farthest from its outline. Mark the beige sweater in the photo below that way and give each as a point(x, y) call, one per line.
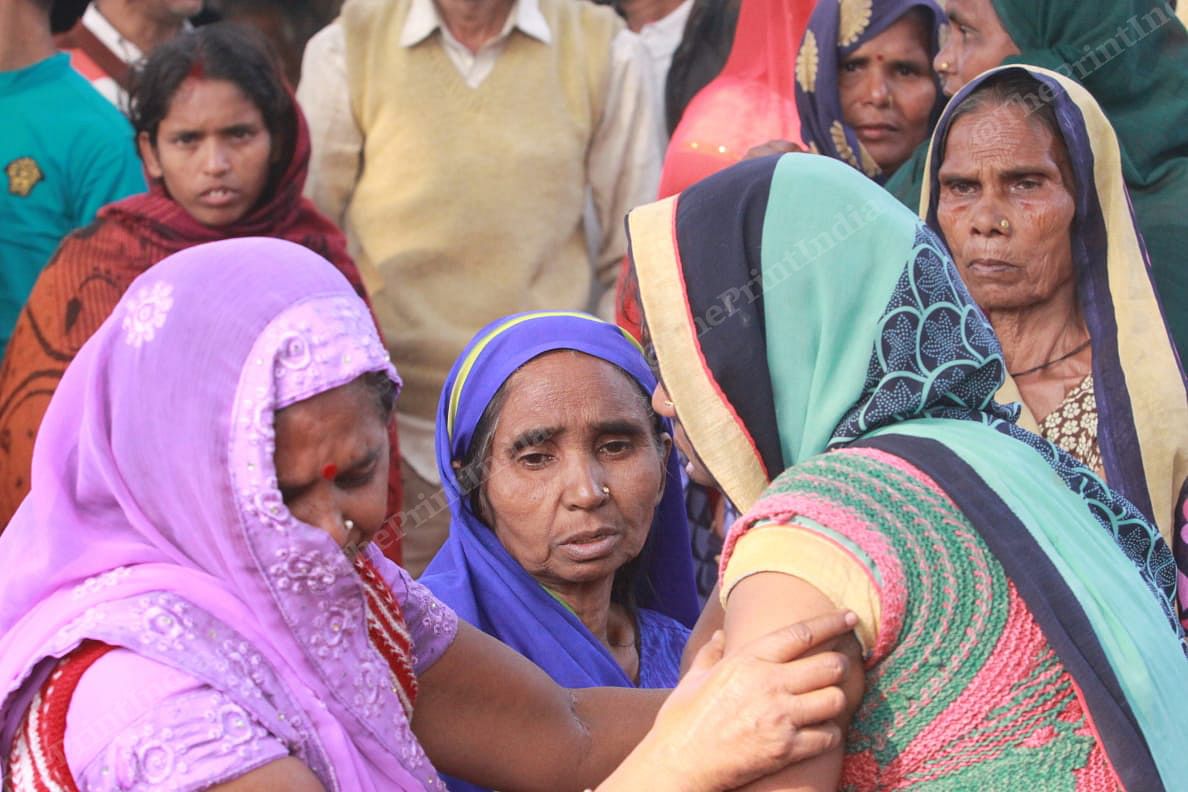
point(469, 204)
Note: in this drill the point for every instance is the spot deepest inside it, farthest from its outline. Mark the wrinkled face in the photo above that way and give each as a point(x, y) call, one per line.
point(1006, 207)
point(576, 469)
point(213, 151)
point(695, 469)
point(332, 462)
point(887, 91)
point(974, 41)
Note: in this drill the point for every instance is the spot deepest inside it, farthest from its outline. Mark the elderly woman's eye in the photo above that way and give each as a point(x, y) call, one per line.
point(616, 447)
point(534, 459)
point(960, 187)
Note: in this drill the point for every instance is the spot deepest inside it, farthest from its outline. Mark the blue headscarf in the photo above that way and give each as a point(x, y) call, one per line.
point(834, 31)
point(477, 577)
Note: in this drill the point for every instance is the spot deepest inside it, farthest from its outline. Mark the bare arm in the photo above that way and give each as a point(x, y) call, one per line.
point(712, 619)
point(763, 602)
point(770, 693)
point(487, 714)
point(288, 774)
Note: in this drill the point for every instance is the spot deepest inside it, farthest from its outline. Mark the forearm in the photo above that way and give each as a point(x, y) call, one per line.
point(511, 727)
point(613, 723)
point(644, 768)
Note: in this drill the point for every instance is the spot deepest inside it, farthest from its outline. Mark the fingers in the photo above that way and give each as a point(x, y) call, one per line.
point(709, 654)
point(813, 673)
point(815, 707)
point(814, 741)
point(792, 641)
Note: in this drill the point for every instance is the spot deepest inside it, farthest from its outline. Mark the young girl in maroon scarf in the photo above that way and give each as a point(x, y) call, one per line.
point(227, 150)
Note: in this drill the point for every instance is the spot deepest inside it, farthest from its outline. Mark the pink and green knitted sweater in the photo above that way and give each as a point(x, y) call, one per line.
point(963, 690)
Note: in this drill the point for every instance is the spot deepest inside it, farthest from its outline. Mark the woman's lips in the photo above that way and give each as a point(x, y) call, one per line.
point(991, 266)
point(591, 546)
point(875, 133)
point(218, 197)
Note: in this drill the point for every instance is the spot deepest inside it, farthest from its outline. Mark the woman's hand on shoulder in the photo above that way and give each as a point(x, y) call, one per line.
point(288, 774)
point(738, 718)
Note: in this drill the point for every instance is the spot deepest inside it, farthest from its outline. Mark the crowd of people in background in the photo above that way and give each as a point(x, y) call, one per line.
point(518, 394)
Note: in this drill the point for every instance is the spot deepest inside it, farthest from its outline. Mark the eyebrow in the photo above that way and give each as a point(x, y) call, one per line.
point(535, 436)
point(620, 426)
point(1020, 173)
point(538, 435)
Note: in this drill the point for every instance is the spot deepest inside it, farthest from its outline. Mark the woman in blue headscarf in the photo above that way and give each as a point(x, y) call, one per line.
point(865, 88)
point(568, 539)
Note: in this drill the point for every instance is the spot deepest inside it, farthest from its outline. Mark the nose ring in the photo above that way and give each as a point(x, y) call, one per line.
point(1004, 224)
point(605, 490)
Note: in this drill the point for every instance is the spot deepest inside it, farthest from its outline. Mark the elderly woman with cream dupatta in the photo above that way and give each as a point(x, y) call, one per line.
point(829, 370)
point(1025, 184)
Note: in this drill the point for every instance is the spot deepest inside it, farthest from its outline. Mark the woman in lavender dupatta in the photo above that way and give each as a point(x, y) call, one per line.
point(176, 581)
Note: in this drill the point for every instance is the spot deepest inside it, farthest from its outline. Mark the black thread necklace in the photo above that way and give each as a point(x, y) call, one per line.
point(1052, 362)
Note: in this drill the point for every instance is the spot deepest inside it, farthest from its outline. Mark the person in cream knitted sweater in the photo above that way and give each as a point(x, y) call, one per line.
point(459, 144)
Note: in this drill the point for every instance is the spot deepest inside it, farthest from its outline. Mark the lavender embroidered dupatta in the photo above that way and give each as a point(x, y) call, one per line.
point(154, 521)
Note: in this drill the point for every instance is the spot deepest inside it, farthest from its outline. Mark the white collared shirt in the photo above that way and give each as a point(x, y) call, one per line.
point(661, 38)
point(423, 19)
point(622, 161)
point(121, 47)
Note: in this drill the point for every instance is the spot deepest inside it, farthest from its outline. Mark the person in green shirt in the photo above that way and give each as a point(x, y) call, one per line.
point(65, 151)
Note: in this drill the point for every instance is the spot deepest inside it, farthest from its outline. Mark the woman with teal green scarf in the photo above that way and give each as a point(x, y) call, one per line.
point(830, 372)
point(1132, 56)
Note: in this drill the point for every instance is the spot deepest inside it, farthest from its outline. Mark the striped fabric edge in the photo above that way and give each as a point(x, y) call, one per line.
point(714, 428)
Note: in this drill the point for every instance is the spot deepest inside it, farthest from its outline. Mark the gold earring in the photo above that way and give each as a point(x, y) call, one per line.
point(605, 490)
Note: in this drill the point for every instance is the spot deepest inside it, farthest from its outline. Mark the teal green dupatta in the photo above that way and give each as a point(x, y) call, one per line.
point(795, 307)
